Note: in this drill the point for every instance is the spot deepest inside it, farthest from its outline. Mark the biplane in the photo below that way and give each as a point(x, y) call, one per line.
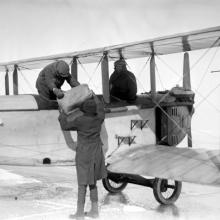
point(140, 138)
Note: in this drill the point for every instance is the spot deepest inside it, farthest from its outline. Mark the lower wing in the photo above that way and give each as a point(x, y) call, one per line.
point(182, 164)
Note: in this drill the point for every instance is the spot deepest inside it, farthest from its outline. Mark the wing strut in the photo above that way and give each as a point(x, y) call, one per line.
point(74, 68)
point(105, 78)
point(15, 80)
point(152, 77)
point(6, 82)
point(187, 86)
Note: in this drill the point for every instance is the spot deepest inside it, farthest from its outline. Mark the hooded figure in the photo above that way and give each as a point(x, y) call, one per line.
point(122, 82)
point(90, 162)
point(52, 77)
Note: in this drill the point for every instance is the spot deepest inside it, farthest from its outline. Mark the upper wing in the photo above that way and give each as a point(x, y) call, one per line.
point(195, 40)
point(183, 164)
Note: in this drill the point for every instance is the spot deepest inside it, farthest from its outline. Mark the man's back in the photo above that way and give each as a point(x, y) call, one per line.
point(87, 124)
point(48, 77)
point(52, 77)
point(88, 128)
point(123, 85)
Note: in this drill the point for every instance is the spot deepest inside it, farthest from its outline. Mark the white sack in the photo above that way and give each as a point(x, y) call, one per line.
point(74, 98)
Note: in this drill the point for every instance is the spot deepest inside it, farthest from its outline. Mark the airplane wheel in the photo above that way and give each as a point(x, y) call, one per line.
point(166, 191)
point(112, 186)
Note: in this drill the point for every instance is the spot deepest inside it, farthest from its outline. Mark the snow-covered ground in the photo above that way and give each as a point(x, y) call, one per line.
point(50, 192)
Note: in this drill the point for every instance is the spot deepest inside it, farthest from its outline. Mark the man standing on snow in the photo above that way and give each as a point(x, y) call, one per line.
point(90, 161)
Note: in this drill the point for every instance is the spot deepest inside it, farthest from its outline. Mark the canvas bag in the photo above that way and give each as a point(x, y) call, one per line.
point(74, 97)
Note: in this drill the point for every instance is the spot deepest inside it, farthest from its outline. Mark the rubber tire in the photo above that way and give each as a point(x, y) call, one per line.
point(107, 185)
point(158, 194)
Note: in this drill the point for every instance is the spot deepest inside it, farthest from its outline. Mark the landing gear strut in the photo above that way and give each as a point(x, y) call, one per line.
point(165, 191)
point(112, 186)
point(114, 183)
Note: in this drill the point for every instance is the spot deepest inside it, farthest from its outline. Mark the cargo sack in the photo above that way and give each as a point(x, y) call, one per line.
point(74, 98)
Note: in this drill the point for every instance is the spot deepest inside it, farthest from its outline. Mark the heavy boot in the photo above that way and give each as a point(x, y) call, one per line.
point(79, 215)
point(94, 212)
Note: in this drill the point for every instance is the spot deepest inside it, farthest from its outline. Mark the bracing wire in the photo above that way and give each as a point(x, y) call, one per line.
point(96, 69)
point(181, 79)
point(28, 83)
point(205, 98)
point(206, 71)
point(169, 67)
point(157, 104)
point(142, 69)
point(54, 150)
point(90, 77)
point(140, 72)
point(206, 51)
point(199, 94)
point(159, 76)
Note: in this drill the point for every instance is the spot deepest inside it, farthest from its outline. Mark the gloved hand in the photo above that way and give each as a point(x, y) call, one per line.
point(58, 92)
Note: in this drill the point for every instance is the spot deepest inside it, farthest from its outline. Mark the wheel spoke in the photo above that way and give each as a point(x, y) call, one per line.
point(166, 191)
point(171, 186)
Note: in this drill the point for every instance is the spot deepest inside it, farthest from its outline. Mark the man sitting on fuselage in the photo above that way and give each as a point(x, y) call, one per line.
point(123, 84)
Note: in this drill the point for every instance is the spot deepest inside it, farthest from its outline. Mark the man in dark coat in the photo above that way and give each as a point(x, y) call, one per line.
point(90, 162)
point(122, 82)
point(52, 77)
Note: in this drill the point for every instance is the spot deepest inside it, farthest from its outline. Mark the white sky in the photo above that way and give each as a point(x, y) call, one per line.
point(31, 28)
